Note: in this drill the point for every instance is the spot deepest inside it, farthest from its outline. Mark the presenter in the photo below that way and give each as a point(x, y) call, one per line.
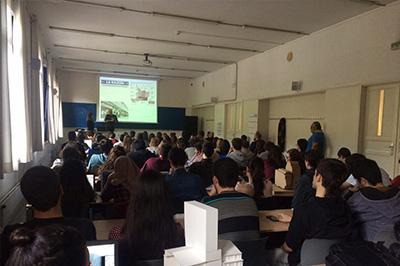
point(111, 120)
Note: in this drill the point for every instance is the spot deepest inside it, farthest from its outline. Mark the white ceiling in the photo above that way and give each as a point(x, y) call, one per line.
point(297, 15)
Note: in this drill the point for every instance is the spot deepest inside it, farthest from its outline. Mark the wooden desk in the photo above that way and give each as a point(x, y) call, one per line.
point(103, 227)
point(268, 226)
point(280, 192)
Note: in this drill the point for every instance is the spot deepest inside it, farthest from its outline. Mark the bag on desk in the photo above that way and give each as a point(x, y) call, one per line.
point(283, 178)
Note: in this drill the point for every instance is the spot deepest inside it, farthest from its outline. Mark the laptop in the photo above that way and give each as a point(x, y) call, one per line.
point(103, 252)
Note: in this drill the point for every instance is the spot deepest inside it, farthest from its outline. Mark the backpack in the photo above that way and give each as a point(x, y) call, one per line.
point(361, 253)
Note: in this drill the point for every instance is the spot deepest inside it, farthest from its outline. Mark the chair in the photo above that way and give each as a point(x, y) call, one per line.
point(253, 251)
point(314, 251)
point(157, 262)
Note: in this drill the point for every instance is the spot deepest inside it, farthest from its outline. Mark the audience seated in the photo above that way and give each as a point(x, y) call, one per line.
point(257, 137)
point(204, 167)
point(247, 153)
point(304, 190)
point(302, 146)
point(198, 156)
point(183, 185)
point(293, 155)
point(223, 148)
point(326, 216)
point(257, 186)
point(52, 245)
point(77, 192)
point(153, 145)
point(150, 227)
point(274, 161)
point(237, 212)
point(106, 169)
point(140, 154)
point(127, 143)
point(236, 153)
point(120, 183)
point(70, 152)
point(160, 163)
point(73, 140)
point(98, 160)
point(376, 208)
point(343, 153)
point(95, 149)
point(263, 148)
point(41, 188)
point(191, 149)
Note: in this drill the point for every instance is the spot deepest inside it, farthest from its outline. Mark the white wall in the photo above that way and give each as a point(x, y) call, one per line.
point(356, 51)
point(84, 88)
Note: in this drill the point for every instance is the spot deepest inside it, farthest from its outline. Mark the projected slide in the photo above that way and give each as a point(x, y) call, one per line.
point(131, 100)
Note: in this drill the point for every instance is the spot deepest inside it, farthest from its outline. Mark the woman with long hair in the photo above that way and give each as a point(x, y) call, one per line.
point(274, 161)
point(127, 143)
point(77, 192)
point(149, 228)
point(295, 156)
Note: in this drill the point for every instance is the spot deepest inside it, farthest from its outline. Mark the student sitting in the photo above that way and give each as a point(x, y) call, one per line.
point(274, 161)
point(293, 155)
point(73, 140)
point(237, 212)
point(183, 185)
point(237, 154)
point(70, 152)
point(326, 216)
point(257, 186)
point(302, 146)
point(304, 189)
point(106, 169)
point(343, 153)
point(140, 155)
point(198, 156)
point(153, 145)
point(160, 163)
point(204, 167)
point(248, 155)
point(77, 192)
point(52, 245)
point(376, 208)
point(119, 184)
point(223, 148)
point(150, 227)
point(41, 188)
point(97, 160)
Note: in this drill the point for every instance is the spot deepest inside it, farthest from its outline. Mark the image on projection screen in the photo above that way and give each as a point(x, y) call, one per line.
point(131, 100)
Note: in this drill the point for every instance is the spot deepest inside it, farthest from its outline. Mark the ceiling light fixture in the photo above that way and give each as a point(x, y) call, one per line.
point(130, 65)
point(186, 18)
point(91, 70)
point(161, 56)
point(108, 34)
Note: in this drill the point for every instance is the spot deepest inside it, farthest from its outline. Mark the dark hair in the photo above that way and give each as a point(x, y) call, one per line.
point(139, 144)
point(100, 137)
point(243, 138)
point(150, 213)
point(40, 187)
point(178, 157)
point(106, 146)
point(52, 245)
point(164, 150)
point(354, 159)
point(313, 158)
point(296, 156)
point(317, 125)
point(367, 169)
point(333, 173)
point(115, 152)
point(208, 149)
point(70, 152)
point(122, 136)
point(275, 158)
point(132, 133)
point(237, 144)
point(198, 146)
point(302, 143)
point(226, 171)
point(344, 152)
point(256, 168)
point(224, 147)
point(245, 144)
point(77, 190)
point(71, 136)
point(260, 146)
point(112, 134)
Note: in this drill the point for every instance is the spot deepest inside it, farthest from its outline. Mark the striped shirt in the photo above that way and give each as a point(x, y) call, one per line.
point(237, 216)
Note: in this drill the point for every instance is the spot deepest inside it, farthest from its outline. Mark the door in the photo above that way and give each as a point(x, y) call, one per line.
point(380, 142)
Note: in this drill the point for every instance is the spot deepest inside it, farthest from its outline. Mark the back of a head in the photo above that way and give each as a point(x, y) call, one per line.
point(208, 149)
point(40, 187)
point(243, 138)
point(71, 136)
point(316, 125)
point(224, 146)
point(52, 245)
point(106, 146)
point(246, 144)
point(139, 145)
point(73, 176)
point(198, 146)
point(100, 137)
point(312, 158)
point(226, 171)
point(178, 157)
point(367, 169)
point(354, 159)
point(302, 143)
point(121, 137)
point(237, 144)
point(334, 173)
point(256, 167)
point(294, 155)
point(71, 152)
point(164, 150)
point(343, 153)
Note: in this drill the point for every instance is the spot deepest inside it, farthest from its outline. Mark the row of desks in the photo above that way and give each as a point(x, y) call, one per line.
point(103, 227)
